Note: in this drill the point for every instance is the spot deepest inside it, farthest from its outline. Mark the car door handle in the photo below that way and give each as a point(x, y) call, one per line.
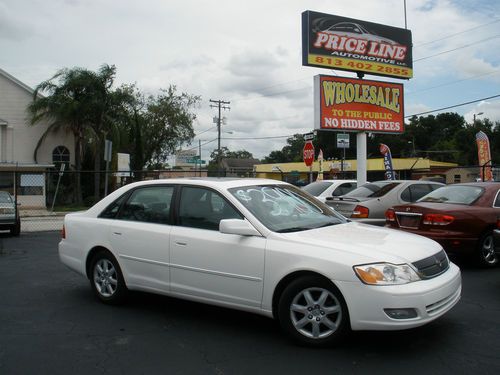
point(117, 233)
point(181, 243)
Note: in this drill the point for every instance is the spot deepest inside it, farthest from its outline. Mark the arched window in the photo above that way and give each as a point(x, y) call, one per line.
point(60, 155)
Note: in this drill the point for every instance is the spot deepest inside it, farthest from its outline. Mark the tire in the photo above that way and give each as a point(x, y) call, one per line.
point(313, 312)
point(106, 279)
point(486, 251)
point(16, 229)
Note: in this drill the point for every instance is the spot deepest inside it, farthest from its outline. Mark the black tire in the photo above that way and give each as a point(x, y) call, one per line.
point(486, 251)
point(16, 229)
point(106, 278)
point(313, 312)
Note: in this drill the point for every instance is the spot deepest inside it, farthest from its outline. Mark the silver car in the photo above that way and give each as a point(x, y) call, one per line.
point(369, 202)
point(9, 219)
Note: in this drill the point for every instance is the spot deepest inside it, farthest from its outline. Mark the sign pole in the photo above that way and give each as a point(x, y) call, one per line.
point(361, 158)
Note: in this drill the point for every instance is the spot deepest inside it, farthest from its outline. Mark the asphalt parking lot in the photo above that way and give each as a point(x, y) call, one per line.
point(50, 323)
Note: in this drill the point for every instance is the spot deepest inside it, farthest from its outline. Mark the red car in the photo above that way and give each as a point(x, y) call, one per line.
point(461, 217)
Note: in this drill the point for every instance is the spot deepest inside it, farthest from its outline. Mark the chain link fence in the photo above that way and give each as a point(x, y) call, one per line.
point(38, 201)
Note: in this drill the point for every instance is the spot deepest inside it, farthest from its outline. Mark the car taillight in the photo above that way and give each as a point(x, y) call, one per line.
point(360, 212)
point(390, 215)
point(437, 219)
point(63, 233)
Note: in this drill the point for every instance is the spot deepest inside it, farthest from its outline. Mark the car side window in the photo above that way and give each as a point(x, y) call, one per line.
point(344, 189)
point(148, 204)
point(111, 211)
point(204, 209)
point(414, 192)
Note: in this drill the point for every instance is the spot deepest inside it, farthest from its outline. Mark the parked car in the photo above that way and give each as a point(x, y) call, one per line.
point(9, 217)
point(262, 246)
point(369, 202)
point(461, 217)
point(330, 188)
point(496, 239)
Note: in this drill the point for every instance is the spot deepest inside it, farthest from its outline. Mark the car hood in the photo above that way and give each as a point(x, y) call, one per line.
point(373, 243)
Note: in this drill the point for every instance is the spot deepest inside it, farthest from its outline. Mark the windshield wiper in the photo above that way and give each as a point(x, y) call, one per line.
point(292, 229)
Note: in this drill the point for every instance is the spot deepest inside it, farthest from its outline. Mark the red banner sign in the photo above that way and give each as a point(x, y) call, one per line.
point(484, 156)
point(347, 104)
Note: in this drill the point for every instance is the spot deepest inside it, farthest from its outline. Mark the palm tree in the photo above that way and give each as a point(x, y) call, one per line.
point(66, 106)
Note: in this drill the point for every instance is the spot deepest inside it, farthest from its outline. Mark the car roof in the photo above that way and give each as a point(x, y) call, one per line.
point(221, 182)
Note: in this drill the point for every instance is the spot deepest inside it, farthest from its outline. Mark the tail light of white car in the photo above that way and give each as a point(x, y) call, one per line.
point(360, 212)
point(63, 233)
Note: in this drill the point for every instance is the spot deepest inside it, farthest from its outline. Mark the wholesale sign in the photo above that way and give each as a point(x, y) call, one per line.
point(348, 104)
point(335, 42)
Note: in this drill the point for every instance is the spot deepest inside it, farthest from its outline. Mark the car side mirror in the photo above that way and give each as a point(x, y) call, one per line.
point(238, 226)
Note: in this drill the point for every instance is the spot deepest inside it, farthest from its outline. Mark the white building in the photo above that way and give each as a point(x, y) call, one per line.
point(18, 141)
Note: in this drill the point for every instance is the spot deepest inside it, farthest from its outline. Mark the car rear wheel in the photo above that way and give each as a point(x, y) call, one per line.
point(106, 278)
point(487, 255)
point(313, 312)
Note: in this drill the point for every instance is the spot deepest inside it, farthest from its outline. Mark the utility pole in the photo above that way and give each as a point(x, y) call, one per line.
point(220, 104)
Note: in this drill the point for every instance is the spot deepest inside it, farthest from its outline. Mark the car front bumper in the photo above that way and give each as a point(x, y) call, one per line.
point(428, 298)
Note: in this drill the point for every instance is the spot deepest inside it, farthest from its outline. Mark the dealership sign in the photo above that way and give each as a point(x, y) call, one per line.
point(348, 104)
point(342, 43)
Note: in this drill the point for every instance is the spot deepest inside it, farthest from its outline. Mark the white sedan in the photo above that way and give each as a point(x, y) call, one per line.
point(261, 246)
point(330, 188)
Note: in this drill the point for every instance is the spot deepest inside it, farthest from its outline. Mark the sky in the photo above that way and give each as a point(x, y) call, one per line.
point(249, 53)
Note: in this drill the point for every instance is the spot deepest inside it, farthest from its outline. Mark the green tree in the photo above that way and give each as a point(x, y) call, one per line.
point(168, 124)
point(291, 152)
point(63, 100)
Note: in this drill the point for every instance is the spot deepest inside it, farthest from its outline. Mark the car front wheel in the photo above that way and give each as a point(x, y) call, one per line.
point(313, 312)
point(487, 255)
point(106, 279)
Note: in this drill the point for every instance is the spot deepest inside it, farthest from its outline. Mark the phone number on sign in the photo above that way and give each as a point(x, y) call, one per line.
point(362, 66)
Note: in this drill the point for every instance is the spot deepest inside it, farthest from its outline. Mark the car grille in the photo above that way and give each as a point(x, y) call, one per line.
point(408, 219)
point(432, 266)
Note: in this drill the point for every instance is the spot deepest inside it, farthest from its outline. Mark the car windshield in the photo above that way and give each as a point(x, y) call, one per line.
point(372, 189)
point(460, 194)
point(5, 197)
point(283, 208)
point(316, 188)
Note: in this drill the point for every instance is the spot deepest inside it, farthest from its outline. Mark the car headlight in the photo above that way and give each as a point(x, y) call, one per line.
point(386, 274)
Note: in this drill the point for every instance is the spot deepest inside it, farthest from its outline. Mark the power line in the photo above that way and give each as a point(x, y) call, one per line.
point(453, 106)
point(452, 82)
point(246, 138)
point(456, 49)
point(455, 34)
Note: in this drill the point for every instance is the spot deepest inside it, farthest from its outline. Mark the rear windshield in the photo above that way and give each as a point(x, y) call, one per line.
point(454, 194)
point(316, 188)
point(373, 189)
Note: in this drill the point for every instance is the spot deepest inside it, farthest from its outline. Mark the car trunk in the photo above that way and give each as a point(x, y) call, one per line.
point(345, 206)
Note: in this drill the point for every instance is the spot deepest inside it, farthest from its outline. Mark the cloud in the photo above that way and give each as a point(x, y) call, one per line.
point(12, 26)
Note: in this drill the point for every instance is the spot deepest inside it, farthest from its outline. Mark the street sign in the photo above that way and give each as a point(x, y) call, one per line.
point(108, 146)
point(195, 161)
point(308, 136)
point(342, 140)
point(308, 153)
